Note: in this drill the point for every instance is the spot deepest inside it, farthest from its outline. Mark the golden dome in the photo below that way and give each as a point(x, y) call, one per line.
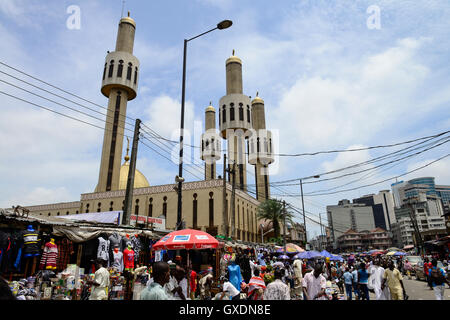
point(257, 99)
point(233, 58)
point(210, 108)
point(140, 181)
point(128, 20)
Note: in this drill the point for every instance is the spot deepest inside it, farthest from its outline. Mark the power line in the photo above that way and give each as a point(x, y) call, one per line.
point(359, 149)
point(372, 184)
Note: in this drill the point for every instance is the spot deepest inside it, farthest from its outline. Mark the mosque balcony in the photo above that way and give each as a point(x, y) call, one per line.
point(234, 113)
point(211, 146)
point(121, 71)
point(260, 148)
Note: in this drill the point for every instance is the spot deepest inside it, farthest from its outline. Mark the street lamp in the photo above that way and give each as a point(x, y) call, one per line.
point(221, 25)
point(303, 204)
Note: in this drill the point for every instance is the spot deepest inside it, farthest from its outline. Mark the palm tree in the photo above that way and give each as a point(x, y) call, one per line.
point(272, 210)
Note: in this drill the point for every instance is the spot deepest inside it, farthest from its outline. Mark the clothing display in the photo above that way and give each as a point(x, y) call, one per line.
point(103, 249)
point(235, 277)
point(137, 247)
point(128, 258)
point(117, 262)
point(65, 251)
point(31, 243)
point(125, 242)
point(49, 256)
point(114, 240)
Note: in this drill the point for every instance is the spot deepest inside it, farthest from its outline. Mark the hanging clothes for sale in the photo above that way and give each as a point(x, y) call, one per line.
point(65, 251)
point(5, 251)
point(128, 258)
point(114, 240)
point(103, 250)
point(117, 261)
point(136, 245)
point(31, 243)
point(126, 241)
point(49, 256)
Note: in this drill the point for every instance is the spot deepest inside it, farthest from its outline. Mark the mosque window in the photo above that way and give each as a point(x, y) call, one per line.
point(241, 112)
point(150, 207)
point(248, 114)
point(120, 69)
point(224, 114)
point(270, 145)
point(231, 111)
point(49, 214)
point(67, 213)
point(104, 71)
point(135, 75)
point(194, 212)
point(136, 207)
point(99, 207)
point(57, 213)
point(257, 144)
point(111, 69)
point(77, 212)
point(211, 209)
point(130, 68)
point(111, 206)
point(165, 207)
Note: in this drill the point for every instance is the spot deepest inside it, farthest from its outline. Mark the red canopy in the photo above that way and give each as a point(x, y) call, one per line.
point(186, 239)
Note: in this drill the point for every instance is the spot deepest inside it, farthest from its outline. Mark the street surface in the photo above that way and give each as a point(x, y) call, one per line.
point(419, 290)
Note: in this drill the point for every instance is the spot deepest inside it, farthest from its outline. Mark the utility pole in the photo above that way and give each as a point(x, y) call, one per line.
point(303, 209)
point(284, 226)
point(320, 236)
point(233, 206)
point(412, 216)
point(224, 210)
point(131, 171)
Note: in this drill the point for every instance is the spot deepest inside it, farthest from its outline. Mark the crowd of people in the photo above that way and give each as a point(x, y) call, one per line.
point(264, 276)
point(261, 275)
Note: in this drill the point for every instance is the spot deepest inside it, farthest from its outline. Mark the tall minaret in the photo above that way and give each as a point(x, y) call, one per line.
point(210, 152)
point(119, 84)
point(260, 149)
point(235, 119)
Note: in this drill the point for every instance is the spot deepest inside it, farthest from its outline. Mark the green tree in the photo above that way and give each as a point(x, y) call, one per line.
point(272, 210)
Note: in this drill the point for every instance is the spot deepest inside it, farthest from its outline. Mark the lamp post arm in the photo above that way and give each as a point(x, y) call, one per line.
point(200, 34)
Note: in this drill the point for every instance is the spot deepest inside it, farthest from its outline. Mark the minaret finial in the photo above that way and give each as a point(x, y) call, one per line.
point(210, 103)
point(257, 93)
point(128, 13)
point(233, 52)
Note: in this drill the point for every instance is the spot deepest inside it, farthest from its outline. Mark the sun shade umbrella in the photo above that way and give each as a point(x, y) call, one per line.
point(335, 257)
point(186, 239)
point(325, 254)
point(391, 253)
point(284, 257)
point(398, 253)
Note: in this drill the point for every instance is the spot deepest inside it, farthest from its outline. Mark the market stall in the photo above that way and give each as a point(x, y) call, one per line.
point(52, 257)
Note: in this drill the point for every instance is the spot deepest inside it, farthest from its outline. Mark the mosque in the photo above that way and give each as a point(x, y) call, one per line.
point(241, 124)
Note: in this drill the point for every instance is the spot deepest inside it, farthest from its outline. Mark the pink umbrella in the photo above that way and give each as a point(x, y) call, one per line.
point(186, 239)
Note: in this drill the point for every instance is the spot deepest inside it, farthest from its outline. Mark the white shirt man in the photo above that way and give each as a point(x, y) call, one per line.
point(100, 292)
point(375, 280)
point(230, 290)
point(314, 285)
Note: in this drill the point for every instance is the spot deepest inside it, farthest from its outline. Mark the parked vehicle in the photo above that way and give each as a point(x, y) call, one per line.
point(414, 260)
point(420, 274)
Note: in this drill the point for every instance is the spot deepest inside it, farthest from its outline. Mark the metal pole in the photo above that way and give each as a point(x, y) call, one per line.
point(224, 210)
point(284, 226)
point(303, 209)
point(180, 167)
point(131, 171)
point(320, 237)
point(233, 206)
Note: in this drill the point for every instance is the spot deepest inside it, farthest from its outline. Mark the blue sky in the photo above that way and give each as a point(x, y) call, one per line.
point(328, 81)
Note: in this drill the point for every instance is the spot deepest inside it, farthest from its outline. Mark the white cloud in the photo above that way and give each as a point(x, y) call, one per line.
point(439, 170)
point(41, 195)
